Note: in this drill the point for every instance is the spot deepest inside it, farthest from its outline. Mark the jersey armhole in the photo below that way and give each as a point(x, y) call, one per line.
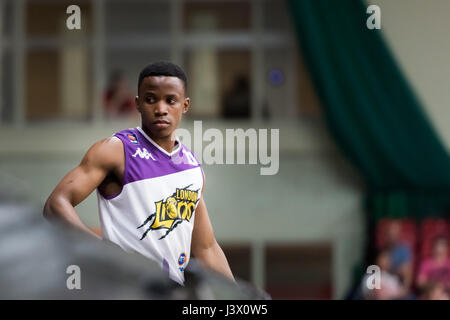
point(203, 181)
point(125, 171)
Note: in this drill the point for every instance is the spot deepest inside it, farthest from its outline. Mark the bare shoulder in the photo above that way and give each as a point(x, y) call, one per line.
point(106, 153)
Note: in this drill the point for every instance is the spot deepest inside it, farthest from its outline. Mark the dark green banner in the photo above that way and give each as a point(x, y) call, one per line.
point(371, 111)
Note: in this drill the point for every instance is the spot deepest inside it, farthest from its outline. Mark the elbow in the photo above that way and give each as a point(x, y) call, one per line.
point(47, 211)
point(50, 208)
point(205, 248)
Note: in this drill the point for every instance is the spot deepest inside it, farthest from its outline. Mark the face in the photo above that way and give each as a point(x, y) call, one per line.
point(393, 233)
point(383, 261)
point(440, 248)
point(438, 293)
point(161, 103)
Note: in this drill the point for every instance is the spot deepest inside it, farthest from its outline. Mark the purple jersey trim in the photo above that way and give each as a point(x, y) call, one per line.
point(151, 161)
point(165, 267)
point(144, 160)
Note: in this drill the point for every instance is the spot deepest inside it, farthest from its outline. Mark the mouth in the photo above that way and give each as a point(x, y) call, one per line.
point(161, 123)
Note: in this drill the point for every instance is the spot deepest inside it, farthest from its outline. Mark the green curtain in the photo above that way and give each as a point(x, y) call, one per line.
point(371, 110)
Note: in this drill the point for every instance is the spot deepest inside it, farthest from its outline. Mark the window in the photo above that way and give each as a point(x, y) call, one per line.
point(298, 271)
point(57, 74)
point(137, 34)
point(131, 18)
point(216, 16)
point(239, 260)
point(241, 58)
point(6, 62)
point(6, 86)
point(219, 82)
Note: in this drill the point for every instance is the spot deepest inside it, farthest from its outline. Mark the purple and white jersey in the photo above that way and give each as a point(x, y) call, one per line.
point(155, 210)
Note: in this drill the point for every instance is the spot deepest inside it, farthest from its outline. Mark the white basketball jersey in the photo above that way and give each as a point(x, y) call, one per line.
point(154, 212)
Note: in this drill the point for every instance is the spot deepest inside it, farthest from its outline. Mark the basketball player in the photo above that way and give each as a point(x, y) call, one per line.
point(149, 185)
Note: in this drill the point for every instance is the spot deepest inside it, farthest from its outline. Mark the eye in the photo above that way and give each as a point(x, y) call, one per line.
point(150, 99)
point(171, 100)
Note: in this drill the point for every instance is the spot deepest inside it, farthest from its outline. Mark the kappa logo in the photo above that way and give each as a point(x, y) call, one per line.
point(143, 154)
point(174, 210)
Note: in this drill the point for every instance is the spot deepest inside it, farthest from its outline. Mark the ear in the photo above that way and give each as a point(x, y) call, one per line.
point(136, 102)
point(187, 104)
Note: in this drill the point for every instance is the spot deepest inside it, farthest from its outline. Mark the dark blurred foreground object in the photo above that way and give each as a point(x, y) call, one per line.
point(35, 255)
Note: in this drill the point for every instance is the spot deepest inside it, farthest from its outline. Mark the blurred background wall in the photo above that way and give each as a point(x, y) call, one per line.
point(300, 233)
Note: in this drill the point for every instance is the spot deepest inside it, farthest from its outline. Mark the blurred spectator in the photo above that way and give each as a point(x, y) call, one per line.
point(400, 254)
point(435, 291)
point(236, 102)
point(436, 269)
point(119, 98)
point(390, 285)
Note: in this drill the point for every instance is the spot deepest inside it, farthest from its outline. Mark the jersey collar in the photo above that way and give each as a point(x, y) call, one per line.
point(175, 150)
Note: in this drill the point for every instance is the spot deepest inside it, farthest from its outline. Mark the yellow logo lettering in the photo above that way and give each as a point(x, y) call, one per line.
point(172, 211)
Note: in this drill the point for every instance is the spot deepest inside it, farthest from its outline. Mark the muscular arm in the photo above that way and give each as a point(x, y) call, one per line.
point(102, 158)
point(204, 245)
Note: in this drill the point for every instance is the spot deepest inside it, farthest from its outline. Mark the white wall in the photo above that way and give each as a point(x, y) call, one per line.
point(417, 32)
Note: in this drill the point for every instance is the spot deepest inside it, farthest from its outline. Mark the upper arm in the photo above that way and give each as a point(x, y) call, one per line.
point(203, 234)
point(102, 158)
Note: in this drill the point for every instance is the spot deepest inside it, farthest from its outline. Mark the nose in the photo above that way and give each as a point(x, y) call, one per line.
point(161, 108)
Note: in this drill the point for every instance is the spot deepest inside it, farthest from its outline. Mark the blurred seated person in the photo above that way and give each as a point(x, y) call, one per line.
point(436, 269)
point(435, 291)
point(119, 98)
point(391, 288)
point(400, 254)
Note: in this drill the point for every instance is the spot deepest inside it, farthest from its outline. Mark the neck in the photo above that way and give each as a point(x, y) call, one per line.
point(167, 143)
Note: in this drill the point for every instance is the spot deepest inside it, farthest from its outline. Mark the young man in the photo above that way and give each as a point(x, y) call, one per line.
point(149, 185)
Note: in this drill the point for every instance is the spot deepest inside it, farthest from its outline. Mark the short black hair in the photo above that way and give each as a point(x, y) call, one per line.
point(162, 68)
